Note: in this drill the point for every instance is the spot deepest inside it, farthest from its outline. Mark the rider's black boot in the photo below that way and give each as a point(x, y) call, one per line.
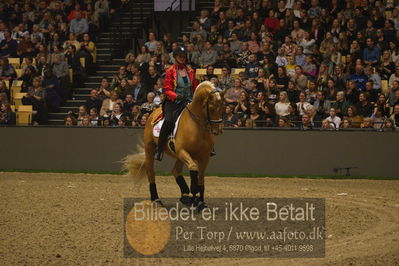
point(158, 154)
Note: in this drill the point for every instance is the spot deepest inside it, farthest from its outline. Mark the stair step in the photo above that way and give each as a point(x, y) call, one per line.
point(74, 103)
point(56, 122)
point(82, 97)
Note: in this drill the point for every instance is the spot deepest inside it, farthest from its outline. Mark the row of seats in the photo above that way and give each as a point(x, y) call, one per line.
point(218, 71)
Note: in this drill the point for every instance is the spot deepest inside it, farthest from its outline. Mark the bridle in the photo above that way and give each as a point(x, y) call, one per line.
point(208, 121)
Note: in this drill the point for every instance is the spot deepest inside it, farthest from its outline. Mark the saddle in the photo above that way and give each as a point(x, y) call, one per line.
point(157, 125)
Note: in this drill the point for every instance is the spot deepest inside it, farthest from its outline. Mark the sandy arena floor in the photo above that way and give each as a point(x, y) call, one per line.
point(70, 219)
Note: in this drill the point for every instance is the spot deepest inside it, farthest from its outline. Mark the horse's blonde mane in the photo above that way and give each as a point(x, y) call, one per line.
point(204, 87)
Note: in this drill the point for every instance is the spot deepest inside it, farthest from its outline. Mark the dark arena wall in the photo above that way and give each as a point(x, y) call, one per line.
point(239, 152)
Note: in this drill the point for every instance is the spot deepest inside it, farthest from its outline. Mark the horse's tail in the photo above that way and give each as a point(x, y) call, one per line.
point(135, 165)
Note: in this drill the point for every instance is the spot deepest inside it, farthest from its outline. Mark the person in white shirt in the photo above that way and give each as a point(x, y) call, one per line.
point(302, 104)
point(282, 106)
point(333, 118)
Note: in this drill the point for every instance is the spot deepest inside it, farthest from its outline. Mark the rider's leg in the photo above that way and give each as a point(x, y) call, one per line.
point(166, 129)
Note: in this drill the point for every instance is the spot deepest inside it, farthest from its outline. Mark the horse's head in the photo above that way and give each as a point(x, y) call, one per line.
point(212, 106)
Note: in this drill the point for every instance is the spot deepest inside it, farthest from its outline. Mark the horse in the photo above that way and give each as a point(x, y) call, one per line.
point(199, 123)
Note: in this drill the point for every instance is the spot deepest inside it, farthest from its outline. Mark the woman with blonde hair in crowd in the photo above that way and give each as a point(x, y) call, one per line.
point(144, 56)
point(282, 106)
point(135, 114)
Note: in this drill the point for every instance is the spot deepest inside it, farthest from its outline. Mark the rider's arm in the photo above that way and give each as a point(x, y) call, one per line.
point(169, 85)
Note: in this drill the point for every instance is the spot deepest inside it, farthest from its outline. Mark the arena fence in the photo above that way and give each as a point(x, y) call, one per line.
point(239, 151)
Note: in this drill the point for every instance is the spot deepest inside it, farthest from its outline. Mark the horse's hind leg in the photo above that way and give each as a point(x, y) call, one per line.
point(185, 191)
point(149, 158)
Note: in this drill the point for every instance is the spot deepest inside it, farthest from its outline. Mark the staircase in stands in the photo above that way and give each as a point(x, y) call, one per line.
point(106, 65)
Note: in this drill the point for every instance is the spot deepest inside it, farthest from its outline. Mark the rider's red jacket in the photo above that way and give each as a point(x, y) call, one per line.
point(170, 81)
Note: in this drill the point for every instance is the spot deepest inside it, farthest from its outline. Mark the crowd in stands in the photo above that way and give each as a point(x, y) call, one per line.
point(49, 37)
point(305, 64)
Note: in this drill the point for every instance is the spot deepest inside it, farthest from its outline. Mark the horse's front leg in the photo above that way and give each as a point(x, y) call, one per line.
point(178, 174)
point(202, 164)
point(185, 157)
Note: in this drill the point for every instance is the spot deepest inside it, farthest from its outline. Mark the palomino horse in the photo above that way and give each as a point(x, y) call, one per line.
point(200, 121)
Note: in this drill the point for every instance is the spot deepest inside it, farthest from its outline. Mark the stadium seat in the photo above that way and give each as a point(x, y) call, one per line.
point(18, 99)
point(17, 83)
point(236, 71)
point(24, 118)
point(200, 72)
point(19, 72)
point(24, 114)
point(15, 62)
point(388, 14)
point(25, 108)
point(217, 71)
point(343, 59)
point(14, 90)
point(12, 108)
point(384, 86)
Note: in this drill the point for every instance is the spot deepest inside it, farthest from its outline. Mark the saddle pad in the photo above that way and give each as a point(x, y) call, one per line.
point(157, 127)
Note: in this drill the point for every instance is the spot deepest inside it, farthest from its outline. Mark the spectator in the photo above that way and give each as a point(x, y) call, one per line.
point(340, 105)
point(77, 9)
point(395, 115)
point(128, 103)
point(36, 97)
point(299, 78)
point(306, 123)
point(7, 71)
point(7, 116)
point(61, 71)
point(333, 118)
point(282, 106)
point(364, 108)
point(104, 89)
point(70, 121)
point(152, 43)
point(81, 114)
point(208, 57)
point(144, 56)
point(102, 9)
point(359, 77)
point(93, 116)
point(394, 77)
point(138, 91)
point(108, 104)
point(116, 80)
point(252, 68)
point(8, 46)
point(53, 91)
point(79, 25)
point(302, 105)
point(197, 31)
point(25, 47)
point(93, 102)
point(232, 94)
point(149, 105)
point(371, 54)
point(116, 114)
point(87, 50)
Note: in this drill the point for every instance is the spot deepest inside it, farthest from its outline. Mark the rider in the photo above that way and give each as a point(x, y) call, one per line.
point(179, 86)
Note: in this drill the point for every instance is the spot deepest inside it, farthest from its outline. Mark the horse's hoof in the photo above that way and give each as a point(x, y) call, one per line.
point(194, 201)
point(201, 205)
point(186, 200)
